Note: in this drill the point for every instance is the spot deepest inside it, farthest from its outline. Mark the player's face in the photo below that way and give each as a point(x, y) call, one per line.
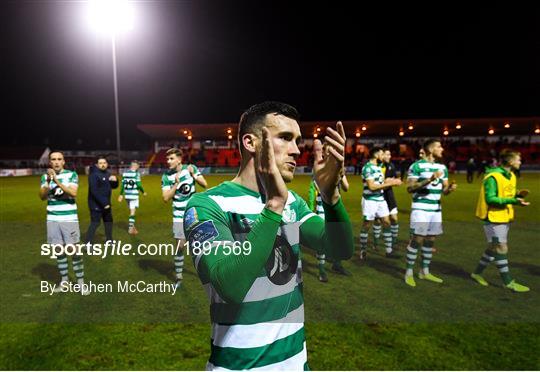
point(135, 166)
point(173, 161)
point(515, 162)
point(437, 150)
point(285, 136)
point(379, 156)
point(56, 161)
point(102, 164)
point(387, 156)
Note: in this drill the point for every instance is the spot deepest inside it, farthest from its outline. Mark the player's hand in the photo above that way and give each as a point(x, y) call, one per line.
point(522, 202)
point(435, 175)
point(112, 178)
point(120, 198)
point(51, 174)
point(177, 177)
point(452, 186)
point(523, 193)
point(145, 193)
point(269, 175)
point(328, 168)
point(190, 170)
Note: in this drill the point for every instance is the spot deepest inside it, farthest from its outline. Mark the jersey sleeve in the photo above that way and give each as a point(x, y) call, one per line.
point(333, 236)
point(73, 179)
point(367, 173)
point(196, 171)
point(414, 171)
point(166, 184)
point(445, 173)
point(43, 180)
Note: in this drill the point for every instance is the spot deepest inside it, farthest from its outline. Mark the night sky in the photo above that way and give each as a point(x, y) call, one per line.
point(206, 61)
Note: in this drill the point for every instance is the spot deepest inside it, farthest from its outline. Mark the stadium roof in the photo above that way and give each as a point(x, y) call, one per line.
point(373, 128)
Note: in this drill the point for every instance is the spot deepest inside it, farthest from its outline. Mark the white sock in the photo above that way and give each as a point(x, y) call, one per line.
point(409, 272)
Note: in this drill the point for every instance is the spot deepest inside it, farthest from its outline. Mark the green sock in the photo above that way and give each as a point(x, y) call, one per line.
point(412, 252)
point(487, 257)
point(78, 267)
point(501, 260)
point(131, 220)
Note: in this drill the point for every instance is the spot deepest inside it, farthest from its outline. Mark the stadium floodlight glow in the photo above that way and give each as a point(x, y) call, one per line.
point(446, 132)
point(357, 134)
point(190, 137)
point(318, 129)
point(401, 132)
point(411, 126)
point(315, 135)
point(229, 136)
point(229, 130)
point(185, 131)
point(364, 127)
point(458, 125)
point(110, 17)
point(507, 125)
point(491, 131)
point(537, 130)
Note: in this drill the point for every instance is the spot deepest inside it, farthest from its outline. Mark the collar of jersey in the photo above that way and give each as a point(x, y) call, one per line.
point(244, 189)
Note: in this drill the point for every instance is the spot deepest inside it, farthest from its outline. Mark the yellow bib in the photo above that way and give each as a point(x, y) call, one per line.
point(506, 188)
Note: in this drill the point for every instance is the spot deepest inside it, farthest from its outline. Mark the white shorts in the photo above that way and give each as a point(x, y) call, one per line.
point(497, 232)
point(425, 223)
point(372, 209)
point(132, 203)
point(63, 232)
point(178, 230)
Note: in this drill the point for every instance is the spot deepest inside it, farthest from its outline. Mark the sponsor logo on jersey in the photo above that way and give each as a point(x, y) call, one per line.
point(203, 232)
point(282, 263)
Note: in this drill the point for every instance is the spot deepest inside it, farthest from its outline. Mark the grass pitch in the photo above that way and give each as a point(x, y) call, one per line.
point(371, 320)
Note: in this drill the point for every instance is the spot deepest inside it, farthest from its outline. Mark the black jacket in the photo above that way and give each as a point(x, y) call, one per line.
point(99, 188)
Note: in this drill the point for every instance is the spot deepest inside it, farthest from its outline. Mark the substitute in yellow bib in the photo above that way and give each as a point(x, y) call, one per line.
point(497, 197)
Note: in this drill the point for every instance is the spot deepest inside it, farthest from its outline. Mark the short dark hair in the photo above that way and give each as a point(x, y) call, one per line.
point(373, 151)
point(508, 154)
point(174, 150)
point(99, 157)
point(135, 162)
point(53, 151)
point(428, 144)
point(252, 120)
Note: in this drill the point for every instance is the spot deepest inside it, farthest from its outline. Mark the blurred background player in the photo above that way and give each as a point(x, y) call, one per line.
point(427, 181)
point(59, 187)
point(178, 184)
point(389, 171)
point(373, 203)
point(315, 204)
point(495, 207)
point(131, 185)
point(100, 185)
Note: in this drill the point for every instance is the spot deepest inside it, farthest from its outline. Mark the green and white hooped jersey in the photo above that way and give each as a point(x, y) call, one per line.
point(372, 172)
point(130, 180)
point(427, 198)
point(185, 189)
point(266, 330)
point(60, 206)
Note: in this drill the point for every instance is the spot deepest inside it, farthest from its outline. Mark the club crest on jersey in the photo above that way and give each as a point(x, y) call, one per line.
point(282, 263)
point(289, 215)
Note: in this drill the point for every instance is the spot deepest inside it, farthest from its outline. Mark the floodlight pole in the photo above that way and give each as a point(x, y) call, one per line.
point(117, 115)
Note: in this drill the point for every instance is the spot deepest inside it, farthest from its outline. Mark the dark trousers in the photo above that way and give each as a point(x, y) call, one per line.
point(95, 220)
